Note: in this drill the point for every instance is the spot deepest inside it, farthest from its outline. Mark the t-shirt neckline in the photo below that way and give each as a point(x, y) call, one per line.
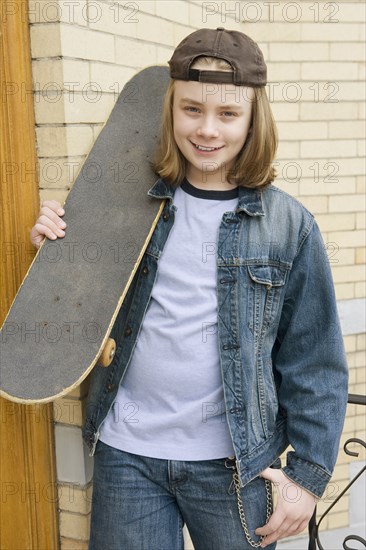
point(210, 194)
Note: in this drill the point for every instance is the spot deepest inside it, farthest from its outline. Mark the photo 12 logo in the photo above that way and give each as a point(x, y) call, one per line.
point(252, 12)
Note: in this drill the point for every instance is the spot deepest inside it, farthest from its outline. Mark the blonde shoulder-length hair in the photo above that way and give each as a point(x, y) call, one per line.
point(253, 166)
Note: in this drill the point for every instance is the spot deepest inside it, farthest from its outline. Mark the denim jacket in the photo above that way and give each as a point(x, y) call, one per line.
point(282, 358)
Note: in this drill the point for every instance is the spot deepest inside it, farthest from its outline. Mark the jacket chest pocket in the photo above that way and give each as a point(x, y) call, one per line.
point(265, 287)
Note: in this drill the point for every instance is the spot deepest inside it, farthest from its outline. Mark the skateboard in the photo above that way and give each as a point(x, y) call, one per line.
point(59, 323)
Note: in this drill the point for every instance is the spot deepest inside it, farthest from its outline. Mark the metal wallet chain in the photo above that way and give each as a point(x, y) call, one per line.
point(269, 504)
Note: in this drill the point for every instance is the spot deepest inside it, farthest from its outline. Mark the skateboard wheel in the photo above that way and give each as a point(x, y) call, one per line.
point(106, 357)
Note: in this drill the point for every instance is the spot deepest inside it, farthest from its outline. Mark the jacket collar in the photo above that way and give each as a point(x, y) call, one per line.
point(249, 200)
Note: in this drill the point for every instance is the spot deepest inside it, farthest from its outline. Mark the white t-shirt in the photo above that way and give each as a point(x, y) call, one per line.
point(170, 403)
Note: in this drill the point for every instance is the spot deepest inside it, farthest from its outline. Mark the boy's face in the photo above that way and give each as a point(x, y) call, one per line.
point(216, 117)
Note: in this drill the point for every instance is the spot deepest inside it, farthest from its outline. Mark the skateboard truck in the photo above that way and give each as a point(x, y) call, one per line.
point(106, 357)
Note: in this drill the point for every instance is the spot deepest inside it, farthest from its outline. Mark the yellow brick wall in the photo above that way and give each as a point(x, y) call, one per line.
point(84, 52)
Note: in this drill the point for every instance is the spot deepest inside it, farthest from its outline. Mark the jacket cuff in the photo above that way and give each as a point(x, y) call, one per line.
point(308, 475)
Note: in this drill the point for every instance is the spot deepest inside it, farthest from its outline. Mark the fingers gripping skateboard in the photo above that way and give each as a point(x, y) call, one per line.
point(106, 357)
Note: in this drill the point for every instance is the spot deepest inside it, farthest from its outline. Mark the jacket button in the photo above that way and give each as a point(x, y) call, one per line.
point(128, 331)
point(166, 216)
point(110, 387)
point(145, 270)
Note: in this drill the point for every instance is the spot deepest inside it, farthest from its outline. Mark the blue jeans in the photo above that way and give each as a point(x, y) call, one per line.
point(142, 503)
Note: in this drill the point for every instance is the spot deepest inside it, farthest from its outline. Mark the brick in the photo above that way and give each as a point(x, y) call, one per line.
point(67, 411)
point(199, 17)
point(180, 32)
point(163, 55)
point(88, 108)
point(74, 526)
point(42, 12)
point(288, 150)
point(58, 141)
point(294, 171)
point(353, 129)
point(79, 140)
point(59, 173)
point(342, 274)
point(175, 10)
point(76, 74)
point(340, 187)
point(275, 32)
point(45, 40)
point(51, 141)
point(298, 51)
point(350, 91)
point(292, 188)
point(160, 31)
point(86, 43)
point(147, 6)
point(284, 71)
point(329, 71)
point(361, 148)
point(49, 108)
point(110, 78)
point(341, 472)
point(133, 53)
point(347, 203)
point(361, 378)
point(328, 32)
point(362, 110)
point(116, 19)
point(323, 110)
point(347, 167)
point(360, 220)
point(74, 13)
point(302, 130)
point(345, 291)
point(360, 359)
point(358, 389)
point(360, 255)
point(330, 148)
point(46, 72)
point(349, 343)
point(316, 204)
point(217, 14)
point(361, 184)
point(352, 11)
point(351, 359)
point(49, 75)
point(72, 544)
point(361, 420)
point(343, 256)
point(74, 498)
point(350, 422)
point(361, 341)
point(53, 194)
point(285, 111)
point(97, 128)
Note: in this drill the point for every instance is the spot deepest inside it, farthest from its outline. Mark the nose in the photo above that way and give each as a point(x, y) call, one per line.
point(208, 128)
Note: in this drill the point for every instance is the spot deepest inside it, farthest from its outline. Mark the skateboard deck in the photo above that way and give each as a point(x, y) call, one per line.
point(65, 308)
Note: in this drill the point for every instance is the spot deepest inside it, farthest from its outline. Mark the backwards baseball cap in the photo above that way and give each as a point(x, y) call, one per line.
point(238, 49)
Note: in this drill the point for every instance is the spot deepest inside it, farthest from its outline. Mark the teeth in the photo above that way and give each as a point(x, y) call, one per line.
point(201, 148)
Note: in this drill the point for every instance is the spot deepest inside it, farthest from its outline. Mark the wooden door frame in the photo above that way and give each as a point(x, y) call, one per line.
point(28, 500)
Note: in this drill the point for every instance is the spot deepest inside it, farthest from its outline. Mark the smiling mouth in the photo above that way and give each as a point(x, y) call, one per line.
point(208, 149)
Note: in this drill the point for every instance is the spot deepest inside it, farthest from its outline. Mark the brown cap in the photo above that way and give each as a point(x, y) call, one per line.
point(238, 49)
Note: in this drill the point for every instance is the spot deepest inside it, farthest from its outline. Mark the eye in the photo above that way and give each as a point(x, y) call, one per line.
point(191, 109)
point(229, 114)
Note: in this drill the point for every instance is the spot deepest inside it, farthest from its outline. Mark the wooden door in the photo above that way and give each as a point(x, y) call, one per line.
point(28, 500)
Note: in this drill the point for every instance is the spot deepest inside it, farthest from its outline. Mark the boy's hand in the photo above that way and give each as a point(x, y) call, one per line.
point(295, 506)
point(49, 223)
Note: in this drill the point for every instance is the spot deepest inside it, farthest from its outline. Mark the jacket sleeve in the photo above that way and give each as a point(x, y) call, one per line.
point(310, 359)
